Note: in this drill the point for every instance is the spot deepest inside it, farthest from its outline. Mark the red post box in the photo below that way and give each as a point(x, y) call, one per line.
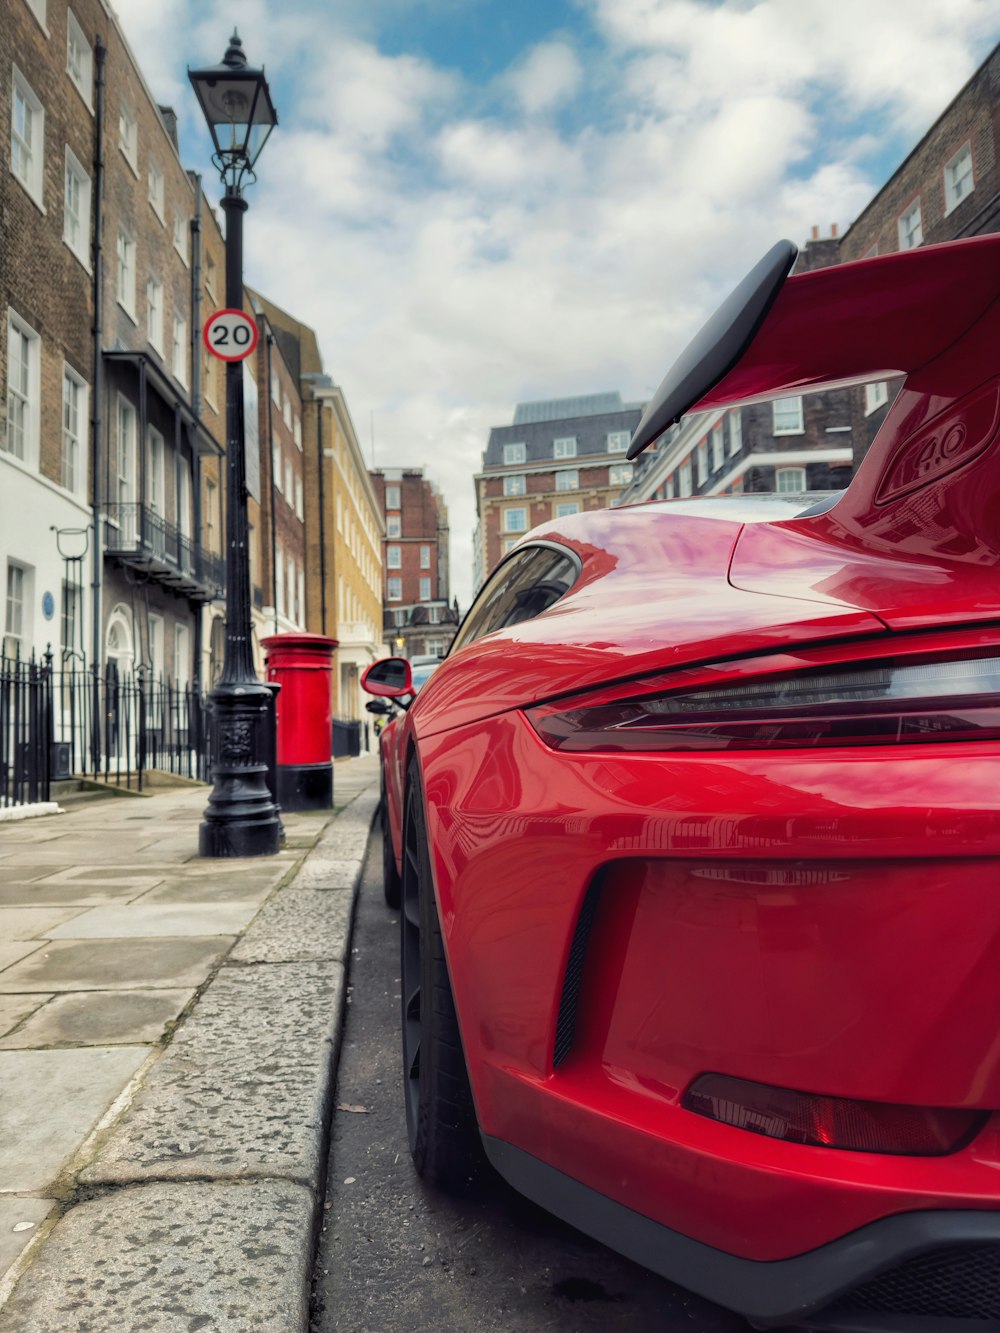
point(301, 665)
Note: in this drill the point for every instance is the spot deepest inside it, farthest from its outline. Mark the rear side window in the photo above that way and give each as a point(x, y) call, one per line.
point(523, 587)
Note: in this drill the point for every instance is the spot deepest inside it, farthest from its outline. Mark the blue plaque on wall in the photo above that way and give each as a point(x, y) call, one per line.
point(48, 605)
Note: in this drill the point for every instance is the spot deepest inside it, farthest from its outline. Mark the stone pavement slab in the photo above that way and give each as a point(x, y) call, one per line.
point(107, 965)
point(19, 1221)
point(98, 1018)
point(156, 919)
point(25, 923)
point(175, 1259)
point(208, 1071)
point(15, 950)
point(49, 1102)
point(15, 1009)
point(241, 1089)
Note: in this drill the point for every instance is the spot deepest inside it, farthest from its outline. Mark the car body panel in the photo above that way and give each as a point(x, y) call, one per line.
point(820, 920)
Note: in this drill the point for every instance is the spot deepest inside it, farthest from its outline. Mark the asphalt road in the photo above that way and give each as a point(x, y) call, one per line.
point(396, 1256)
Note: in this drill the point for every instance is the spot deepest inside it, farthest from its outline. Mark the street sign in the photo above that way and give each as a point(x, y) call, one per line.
point(230, 335)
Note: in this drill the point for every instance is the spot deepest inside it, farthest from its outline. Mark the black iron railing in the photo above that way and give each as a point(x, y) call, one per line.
point(139, 536)
point(60, 722)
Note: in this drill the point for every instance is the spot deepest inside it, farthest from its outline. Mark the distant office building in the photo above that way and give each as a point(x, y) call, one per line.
point(556, 458)
point(419, 619)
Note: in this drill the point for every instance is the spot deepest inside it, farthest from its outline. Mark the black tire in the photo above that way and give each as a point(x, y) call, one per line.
point(391, 884)
point(440, 1113)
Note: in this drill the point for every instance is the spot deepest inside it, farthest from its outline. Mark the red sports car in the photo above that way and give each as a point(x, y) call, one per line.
point(698, 829)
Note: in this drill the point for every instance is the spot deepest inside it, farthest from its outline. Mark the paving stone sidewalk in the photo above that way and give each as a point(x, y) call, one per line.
point(168, 1032)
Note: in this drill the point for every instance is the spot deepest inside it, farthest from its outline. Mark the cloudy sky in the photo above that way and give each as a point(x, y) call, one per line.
point(481, 202)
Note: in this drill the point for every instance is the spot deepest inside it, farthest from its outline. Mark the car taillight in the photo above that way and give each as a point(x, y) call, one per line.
point(831, 1122)
point(878, 703)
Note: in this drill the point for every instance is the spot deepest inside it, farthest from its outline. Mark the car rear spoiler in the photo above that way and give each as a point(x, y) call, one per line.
point(931, 315)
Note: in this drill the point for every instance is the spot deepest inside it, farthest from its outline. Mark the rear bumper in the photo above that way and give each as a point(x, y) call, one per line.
point(770, 1293)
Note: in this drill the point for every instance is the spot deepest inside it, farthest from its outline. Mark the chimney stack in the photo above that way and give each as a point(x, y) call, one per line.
point(815, 233)
point(833, 230)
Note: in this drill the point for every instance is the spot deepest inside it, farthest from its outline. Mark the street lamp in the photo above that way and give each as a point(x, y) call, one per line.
point(241, 818)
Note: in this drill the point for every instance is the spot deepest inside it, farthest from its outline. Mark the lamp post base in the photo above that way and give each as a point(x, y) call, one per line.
point(241, 818)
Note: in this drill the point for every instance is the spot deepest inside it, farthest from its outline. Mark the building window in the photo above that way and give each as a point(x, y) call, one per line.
point(392, 497)
point(276, 462)
point(701, 461)
point(394, 557)
point(14, 613)
point(154, 313)
point(156, 480)
point(128, 136)
point(178, 349)
point(394, 526)
point(875, 395)
point(568, 479)
point(289, 479)
point(425, 590)
point(564, 447)
point(618, 441)
point(297, 431)
point(74, 419)
point(299, 511)
point(568, 509)
point(509, 544)
point(76, 211)
point(70, 620)
point(180, 236)
point(23, 390)
point(619, 474)
point(684, 479)
point(286, 411)
point(718, 450)
point(395, 589)
point(211, 514)
point(124, 492)
point(155, 190)
point(515, 520)
point(790, 479)
point(958, 181)
point(38, 8)
point(735, 431)
point(182, 655)
point(126, 272)
point(425, 557)
point(514, 454)
point(911, 232)
point(514, 484)
point(787, 416)
point(27, 137)
point(79, 59)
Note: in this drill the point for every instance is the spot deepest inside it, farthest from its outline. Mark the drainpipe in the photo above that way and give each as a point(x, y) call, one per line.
point(322, 506)
point(96, 401)
point(270, 471)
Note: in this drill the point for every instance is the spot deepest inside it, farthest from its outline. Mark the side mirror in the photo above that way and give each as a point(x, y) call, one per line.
point(391, 677)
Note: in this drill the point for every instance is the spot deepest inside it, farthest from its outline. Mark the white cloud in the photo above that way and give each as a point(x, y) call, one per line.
point(454, 260)
point(549, 75)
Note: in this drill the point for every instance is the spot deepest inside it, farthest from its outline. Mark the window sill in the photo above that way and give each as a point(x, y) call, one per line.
point(161, 217)
point(958, 203)
point(134, 166)
point(131, 314)
point(31, 195)
point(786, 433)
point(84, 263)
point(83, 96)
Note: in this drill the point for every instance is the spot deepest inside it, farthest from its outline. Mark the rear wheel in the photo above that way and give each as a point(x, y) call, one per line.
point(440, 1114)
point(391, 885)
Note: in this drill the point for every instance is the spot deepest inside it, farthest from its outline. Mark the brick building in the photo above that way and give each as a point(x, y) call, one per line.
point(99, 219)
point(342, 522)
point(418, 618)
point(557, 457)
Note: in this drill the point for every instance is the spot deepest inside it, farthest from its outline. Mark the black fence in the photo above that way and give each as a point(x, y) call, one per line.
point(60, 722)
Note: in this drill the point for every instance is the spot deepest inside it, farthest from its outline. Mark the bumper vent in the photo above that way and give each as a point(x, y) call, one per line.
point(960, 1283)
point(570, 999)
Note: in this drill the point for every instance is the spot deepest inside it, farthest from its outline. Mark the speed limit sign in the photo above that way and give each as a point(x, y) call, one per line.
point(230, 335)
